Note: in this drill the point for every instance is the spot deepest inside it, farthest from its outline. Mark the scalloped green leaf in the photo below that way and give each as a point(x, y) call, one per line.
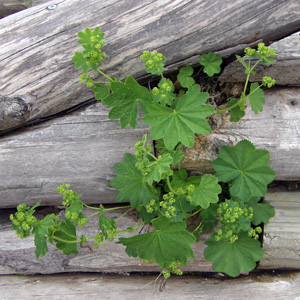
point(131, 183)
point(123, 101)
point(169, 243)
point(207, 191)
point(233, 258)
point(184, 77)
point(262, 212)
point(101, 91)
point(211, 62)
point(246, 167)
point(180, 124)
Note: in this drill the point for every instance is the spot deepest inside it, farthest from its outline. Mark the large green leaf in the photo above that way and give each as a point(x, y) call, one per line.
point(180, 124)
point(246, 167)
point(123, 101)
point(131, 184)
point(237, 112)
point(233, 258)
point(207, 191)
point(169, 243)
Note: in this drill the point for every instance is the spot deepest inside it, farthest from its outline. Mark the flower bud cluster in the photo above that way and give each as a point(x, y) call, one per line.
point(167, 205)
point(264, 52)
point(69, 196)
point(153, 62)
point(152, 206)
point(23, 221)
point(268, 81)
point(172, 269)
point(254, 232)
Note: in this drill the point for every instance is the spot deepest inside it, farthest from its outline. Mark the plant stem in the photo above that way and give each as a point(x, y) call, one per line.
point(170, 186)
point(125, 213)
point(102, 73)
point(64, 241)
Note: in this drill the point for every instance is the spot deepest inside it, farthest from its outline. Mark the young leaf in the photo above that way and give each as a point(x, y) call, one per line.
point(247, 167)
point(242, 62)
point(237, 112)
point(65, 238)
point(211, 63)
point(184, 77)
point(159, 168)
point(123, 101)
point(262, 212)
point(233, 258)
point(207, 191)
point(40, 231)
point(169, 243)
point(80, 61)
point(105, 224)
point(256, 97)
point(180, 124)
point(131, 184)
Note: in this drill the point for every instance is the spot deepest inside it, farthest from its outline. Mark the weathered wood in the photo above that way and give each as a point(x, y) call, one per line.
point(282, 235)
point(10, 7)
point(99, 286)
point(276, 129)
point(285, 70)
point(37, 44)
point(17, 255)
point(79, 149)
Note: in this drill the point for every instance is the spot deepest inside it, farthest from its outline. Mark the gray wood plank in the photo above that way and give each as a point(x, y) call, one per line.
point(106, 287)
point(37, 44)
point(79, 149)
point(282, 234)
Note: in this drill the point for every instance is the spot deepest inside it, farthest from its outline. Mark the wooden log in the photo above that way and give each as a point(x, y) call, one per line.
point(276, 129)
point(79, 149)
point(37, 44)
point(282, 235)
point(285, 69)
point(93, 286)
point(17, 255)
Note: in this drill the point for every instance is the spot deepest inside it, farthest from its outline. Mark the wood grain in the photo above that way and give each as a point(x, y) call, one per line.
point(37, 44)
point(107, 287)
point(80, 149)
point(282, 234)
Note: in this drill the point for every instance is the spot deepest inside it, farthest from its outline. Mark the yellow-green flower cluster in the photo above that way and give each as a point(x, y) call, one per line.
point(151, 207)
point(167, 205)
point(268, 81)
point(153, 62)
point(254, 232)
point(172, 269)
point(23, 221)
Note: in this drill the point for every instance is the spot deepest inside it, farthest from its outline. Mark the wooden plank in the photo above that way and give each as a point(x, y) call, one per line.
point(285, 69)
point(99, 286)
point(282, 234)
point(17, 255)
point(276, 129)
point(10, 7)
point(79, 149)
point(37, 44)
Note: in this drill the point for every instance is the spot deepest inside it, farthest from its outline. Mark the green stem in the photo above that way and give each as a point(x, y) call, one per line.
point(131, 229)
point(125, 213)
point(64, 241)
point(102, 73)
point(196, 212)
point(90, 207)
point(119, 207)
point(170, 186)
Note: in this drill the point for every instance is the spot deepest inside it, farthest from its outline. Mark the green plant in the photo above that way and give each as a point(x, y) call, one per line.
point(156, 186)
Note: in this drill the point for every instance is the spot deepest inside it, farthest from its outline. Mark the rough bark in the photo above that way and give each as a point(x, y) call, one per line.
point(37, 44)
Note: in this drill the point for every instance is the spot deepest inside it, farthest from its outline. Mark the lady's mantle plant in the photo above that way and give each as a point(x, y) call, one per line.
point(167, 198)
